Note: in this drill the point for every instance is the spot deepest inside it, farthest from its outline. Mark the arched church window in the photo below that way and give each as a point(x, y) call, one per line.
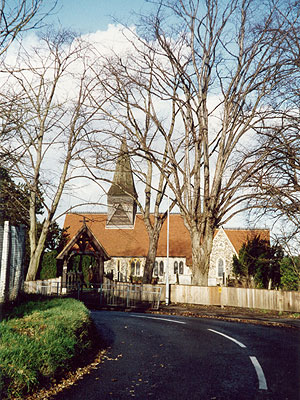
point(181, 267)
point(175, 267)
point(155, 270)
point(220, 267)
point(161, 268)
point(132, 268)
point(137, 268)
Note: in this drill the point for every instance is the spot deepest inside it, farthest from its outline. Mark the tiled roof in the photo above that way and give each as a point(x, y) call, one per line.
point(239, 236)
point(134, 242)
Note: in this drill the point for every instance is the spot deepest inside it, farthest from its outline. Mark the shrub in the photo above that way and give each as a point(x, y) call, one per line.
point(290, 272)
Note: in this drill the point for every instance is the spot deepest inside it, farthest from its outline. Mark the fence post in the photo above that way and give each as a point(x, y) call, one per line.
point(100, 293)
point(127, 296)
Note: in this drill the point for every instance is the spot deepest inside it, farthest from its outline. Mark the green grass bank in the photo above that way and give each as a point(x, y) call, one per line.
point(39, 340)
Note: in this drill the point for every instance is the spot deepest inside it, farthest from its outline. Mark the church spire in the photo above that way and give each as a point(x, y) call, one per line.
point(122, 195)
point(123, 183)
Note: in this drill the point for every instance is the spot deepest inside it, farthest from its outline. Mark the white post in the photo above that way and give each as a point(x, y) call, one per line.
point(4, 262)
point(167, 267)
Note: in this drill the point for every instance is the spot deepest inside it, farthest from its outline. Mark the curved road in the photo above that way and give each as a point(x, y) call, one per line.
point(163, 357)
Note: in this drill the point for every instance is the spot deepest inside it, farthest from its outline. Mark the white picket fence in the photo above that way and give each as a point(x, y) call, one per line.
point(46, 287)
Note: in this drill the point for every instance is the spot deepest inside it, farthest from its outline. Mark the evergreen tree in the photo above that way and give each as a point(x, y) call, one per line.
point(14, 201)
point(258, 264)
point(55, 242)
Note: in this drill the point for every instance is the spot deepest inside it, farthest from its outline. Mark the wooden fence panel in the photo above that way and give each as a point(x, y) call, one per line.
point(236, 297)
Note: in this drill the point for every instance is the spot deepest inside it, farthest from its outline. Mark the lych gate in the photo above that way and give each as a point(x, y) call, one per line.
point(83, 243)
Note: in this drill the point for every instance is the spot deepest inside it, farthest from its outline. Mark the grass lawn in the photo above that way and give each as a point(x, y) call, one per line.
point(39, 340)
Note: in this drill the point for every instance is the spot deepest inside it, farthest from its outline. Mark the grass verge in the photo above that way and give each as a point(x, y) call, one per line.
point(39, 340)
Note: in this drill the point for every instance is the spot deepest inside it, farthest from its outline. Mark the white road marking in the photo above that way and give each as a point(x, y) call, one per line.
point(260, 374)
point(229, 337)
point(163, 319)
point(262, 383)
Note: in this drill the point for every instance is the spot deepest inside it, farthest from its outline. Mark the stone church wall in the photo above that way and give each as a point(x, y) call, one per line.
point(125, 269)
point(222, 250)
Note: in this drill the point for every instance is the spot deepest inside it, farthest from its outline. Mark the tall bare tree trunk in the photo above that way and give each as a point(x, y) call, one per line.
point(201, 250)
point(36, 253)
point(150, 259)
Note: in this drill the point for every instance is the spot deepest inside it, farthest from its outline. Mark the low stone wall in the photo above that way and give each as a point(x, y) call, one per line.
point(236, 297)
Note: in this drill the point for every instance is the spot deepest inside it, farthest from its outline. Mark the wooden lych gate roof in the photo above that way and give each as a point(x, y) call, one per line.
point(84, 237)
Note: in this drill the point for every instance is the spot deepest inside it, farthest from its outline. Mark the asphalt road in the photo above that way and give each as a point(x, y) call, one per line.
point(162, 357)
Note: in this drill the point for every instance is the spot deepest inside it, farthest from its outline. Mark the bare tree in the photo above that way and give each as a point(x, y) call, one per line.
point(277, 182)
point(120, 98)
point(17, 17)
point(51, 113)
point(203, 76)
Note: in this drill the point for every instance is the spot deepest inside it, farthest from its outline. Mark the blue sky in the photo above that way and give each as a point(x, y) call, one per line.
point(85, 16)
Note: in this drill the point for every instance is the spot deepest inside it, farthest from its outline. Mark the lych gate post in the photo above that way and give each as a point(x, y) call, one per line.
point(64, 277)
point(101, 269)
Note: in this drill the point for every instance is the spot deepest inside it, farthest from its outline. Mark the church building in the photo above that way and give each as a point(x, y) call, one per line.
point(121, 238)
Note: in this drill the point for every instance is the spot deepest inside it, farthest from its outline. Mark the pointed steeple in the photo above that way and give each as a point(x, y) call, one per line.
point(123, 183)
point(122, 193)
